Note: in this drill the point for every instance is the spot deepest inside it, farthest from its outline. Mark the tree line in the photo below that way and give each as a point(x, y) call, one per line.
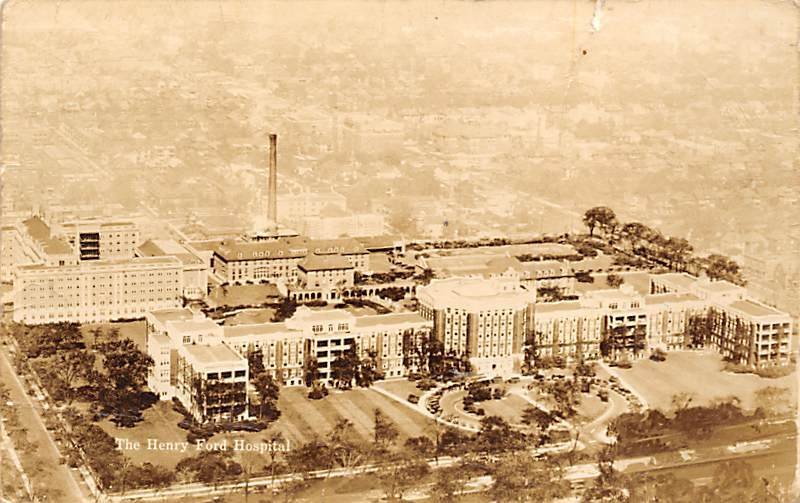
point(674, 252)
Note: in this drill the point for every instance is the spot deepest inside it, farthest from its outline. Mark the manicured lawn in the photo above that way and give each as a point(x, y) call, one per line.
point(640, 281)
point(509, 408)
point(161, 424)
point(250, 316)
point(591, 406)
point(134, 330)
point(302, 419)
point(242, 295)
point(699, 373)
point(400, 387)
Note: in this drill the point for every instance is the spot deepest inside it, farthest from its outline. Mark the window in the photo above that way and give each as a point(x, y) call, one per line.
point(239, 373)
point(187, 339)
point(226, 375)
point(212, 376)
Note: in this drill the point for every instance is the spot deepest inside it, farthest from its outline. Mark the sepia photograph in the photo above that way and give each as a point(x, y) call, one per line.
point(436, 251)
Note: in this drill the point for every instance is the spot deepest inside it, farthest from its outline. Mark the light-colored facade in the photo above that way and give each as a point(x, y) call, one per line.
point(96, 291)
point(325, 272)
point(278, 260)
point(743, 330)
point(194, 364)
point(101, 239)
point(286, 347)
point(569, 329)
point(195, 268)
point(31, 242)
point(486, 320)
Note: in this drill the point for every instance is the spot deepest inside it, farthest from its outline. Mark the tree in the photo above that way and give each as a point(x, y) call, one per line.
point(210, 467)
point(496, 435)
point(344, 368)
point(311, 456)
point(255, 361)
point(677, 252)
point(71, 365)
point(773, 401)
point(311, 373)
point(697, 331)
point(610, 485)
point(346, 447)
point(534, 416)
point(599, 216)
point(566, 396)
point(252, 463)
point(385, 432)
point(422, 446)
point(368, 370)
point(401, 472)
point(126, 369)
point(634, 233)
point(285, 309)
point(268, 393)
point(275, 437)
point(523, 478)
point(720, 267)
point(614, 280)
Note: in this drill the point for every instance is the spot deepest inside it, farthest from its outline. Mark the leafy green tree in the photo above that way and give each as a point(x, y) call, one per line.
point(211, 467)
point(385, 432)
point(255, 361)
point(600, 216)
point(71, 366)
point(525, 479)
point(609, 486)
point(402, 471)
point(344, 369)
point(125, 372)
point(614, 280)
point(268, 394)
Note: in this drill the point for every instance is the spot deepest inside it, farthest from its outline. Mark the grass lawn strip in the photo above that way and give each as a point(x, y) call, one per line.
point(343, 404)
point(408, 422)
point(293, 414)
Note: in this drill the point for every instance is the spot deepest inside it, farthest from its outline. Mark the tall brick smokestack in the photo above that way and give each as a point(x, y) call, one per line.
point(272, 211)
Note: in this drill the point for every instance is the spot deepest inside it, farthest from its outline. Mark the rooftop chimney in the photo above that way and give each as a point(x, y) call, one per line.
point(272, 211)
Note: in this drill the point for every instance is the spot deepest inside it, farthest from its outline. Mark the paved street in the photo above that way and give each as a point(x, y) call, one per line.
point(57, 475)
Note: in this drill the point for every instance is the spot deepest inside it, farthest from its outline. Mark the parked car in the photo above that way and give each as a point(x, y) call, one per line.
point(413, 398)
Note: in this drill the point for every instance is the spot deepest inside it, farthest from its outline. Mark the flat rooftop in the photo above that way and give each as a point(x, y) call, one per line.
point(754, 308)
point(554, 307)
point(216, 354)
point(666, 298)
point(680, 280)
point(388, 319)
point(193, 325)
point(256, 329)
point(165, 315)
